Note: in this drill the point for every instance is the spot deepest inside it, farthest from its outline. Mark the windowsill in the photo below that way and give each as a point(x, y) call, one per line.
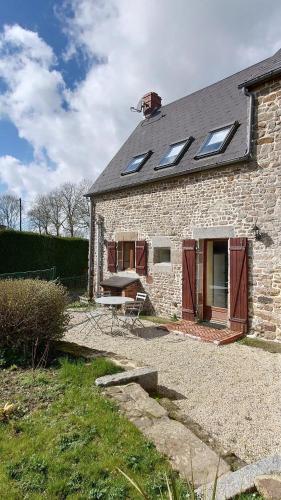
point(128, 274)
point(162, 263)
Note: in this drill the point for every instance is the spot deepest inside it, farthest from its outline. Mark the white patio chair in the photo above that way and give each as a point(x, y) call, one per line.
point(141, 296)
point(132, 311)
point(92, 314)
point(103, 293)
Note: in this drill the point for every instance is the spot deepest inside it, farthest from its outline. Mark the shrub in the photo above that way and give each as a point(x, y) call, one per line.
point(32, 313)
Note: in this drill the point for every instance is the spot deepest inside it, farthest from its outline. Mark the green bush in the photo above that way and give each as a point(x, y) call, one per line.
point(21, 251)
point(32, 313)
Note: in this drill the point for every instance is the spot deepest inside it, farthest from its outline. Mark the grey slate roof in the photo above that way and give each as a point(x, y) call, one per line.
point(195, 115)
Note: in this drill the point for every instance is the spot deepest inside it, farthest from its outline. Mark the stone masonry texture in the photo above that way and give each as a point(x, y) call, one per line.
point(237, 195)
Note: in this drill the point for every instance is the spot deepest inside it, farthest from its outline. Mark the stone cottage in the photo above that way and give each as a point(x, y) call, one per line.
point(190, 208)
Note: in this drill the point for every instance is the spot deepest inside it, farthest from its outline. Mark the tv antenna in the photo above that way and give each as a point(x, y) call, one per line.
point(139, 107)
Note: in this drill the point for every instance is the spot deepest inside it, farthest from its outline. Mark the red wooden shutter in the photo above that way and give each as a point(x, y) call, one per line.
point(141, 257)
point(111, 256)
point(238, 284)
point(189, 279)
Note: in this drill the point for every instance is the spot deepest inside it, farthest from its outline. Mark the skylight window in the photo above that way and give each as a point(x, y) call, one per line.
point(217, 140)
point(136, 163)
point(174, 153)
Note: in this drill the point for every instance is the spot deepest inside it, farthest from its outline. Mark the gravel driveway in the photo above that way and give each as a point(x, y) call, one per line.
point(233, 392)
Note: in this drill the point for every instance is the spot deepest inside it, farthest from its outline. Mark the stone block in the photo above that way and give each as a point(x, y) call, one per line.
point(187, 453)
point(145, 377)
point(126, 236)
point(242, 480)
point(269, 486)
point(213, 232)
point(136, 404)
point(160, 241)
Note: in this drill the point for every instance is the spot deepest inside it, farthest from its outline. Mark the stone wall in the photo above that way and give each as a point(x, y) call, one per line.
point(222, 202)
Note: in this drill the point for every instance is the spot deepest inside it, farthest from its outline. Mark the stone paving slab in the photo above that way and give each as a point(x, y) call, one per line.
point(186, 452)
point(242, 480)
point(146, 377)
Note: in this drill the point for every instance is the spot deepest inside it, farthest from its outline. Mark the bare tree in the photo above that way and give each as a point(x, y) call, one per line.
point(9, 210)
point(71, 201)
point(84, 205)
point(39, 215)
point(57, 215)
point(35, 221)
point(64, 209)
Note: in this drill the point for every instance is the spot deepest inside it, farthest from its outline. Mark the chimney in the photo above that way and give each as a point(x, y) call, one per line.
point(151, 102)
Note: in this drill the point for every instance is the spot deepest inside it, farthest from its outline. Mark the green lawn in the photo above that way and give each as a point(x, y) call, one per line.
point(265, 345)
point(157, 319)
point(66, 440)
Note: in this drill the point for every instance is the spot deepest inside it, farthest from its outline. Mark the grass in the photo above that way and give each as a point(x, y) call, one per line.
point(67, 441)
point(266, 345)
point(157, 319)
point(249, 496)
point(76, 304)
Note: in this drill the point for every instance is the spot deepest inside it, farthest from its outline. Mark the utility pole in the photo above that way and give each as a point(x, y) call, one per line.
point(20, 214)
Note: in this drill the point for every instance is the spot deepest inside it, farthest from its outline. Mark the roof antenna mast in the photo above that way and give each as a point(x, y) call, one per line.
point(139, 107)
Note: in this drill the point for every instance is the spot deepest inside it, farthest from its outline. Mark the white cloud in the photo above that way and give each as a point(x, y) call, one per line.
point(171, 47)
point(25, 178)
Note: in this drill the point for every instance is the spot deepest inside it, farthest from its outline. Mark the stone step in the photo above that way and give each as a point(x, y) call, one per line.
point(145, 377)
point(185, 451)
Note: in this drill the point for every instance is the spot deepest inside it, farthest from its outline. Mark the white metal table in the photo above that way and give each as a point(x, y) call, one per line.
point(113, 302)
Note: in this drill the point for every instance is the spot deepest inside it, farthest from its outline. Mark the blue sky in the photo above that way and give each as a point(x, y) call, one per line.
point(39, 16)
point(71, 69)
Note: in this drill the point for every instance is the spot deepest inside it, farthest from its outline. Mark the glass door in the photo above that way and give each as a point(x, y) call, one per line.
point(216, 280)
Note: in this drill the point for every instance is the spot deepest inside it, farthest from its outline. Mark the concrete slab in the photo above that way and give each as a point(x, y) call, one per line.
point(145, 377)
point(242, 480)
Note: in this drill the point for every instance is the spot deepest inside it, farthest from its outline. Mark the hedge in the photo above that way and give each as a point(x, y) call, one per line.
point(23, 251)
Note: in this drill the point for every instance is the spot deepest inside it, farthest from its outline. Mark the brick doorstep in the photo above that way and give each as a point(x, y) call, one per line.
point(202, 332)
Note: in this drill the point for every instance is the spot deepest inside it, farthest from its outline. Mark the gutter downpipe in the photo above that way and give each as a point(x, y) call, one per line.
point(249, 151)
point(91, 249)
point(99, 252)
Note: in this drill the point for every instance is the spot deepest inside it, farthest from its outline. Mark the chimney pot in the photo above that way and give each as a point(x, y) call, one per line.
point(151, 102)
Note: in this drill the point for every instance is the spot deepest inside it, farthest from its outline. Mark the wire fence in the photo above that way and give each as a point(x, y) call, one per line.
point(72, 283)
point(42, 274)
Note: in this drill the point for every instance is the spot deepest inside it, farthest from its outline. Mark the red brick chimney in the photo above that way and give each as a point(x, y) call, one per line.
point(151, 102)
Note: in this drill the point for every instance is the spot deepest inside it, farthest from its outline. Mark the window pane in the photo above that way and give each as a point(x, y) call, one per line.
point(129, 254)
point(162, 255)
point(172, 153)
point(175, 150)
point(218, 137)
point(217, 274)
point(138, 160)
point(214, 141)
point(136, 163)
